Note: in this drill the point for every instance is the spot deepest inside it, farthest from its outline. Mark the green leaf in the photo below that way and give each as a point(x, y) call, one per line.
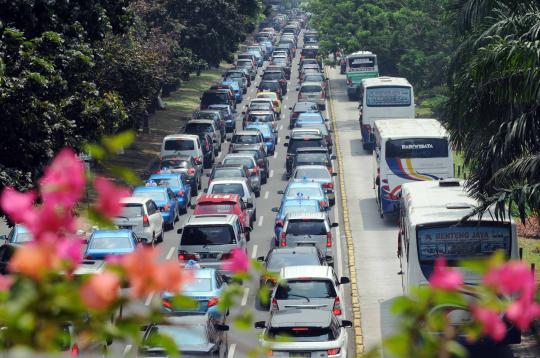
point(126, 175)
point(244, 320)
point(164, 341)
point(99, 220)
point(94, 150)
point(116, 143)
point(184, 302)
point(456, 349)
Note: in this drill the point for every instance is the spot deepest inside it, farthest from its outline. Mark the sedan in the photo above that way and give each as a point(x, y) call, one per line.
point(318, 174)
point(304, 189)
point(103, 243)
point(164, 199)
point(270, 137)
point(289, 206)
point(186, 165)
point(178, 185)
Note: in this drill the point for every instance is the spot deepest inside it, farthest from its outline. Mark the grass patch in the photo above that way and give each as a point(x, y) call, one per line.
point(460, 170)
point(187, 98)
point(531, 252)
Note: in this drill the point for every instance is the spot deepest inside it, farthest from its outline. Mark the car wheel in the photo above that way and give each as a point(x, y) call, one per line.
point(161, 236)
point(258, 193)
point(264, 179)
point(200, 185)
point(194, 191)
point(216, 152)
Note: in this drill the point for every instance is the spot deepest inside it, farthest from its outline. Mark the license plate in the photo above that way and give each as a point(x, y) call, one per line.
point(299, 354)
point(123, 227)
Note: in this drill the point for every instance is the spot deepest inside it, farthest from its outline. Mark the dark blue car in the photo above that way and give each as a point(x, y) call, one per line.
point(179, 186)
point(164, 199)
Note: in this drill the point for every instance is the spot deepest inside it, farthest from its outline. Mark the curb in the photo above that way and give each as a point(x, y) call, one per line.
point(356, 317)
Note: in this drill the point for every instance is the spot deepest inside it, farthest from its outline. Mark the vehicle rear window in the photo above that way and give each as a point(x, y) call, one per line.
point(313, 78)
point(302, 334)
point(154, 195)
point(260, 118)
point(294, 144)
point(198, 285)
point(417, 148)
point(246, 139)
point(269, 85)
point(198, 128)
point(206, 115)
point(208, 235)
point(167, 182)
point(132, 210)
point(245, 161)
point(306, 227)
point(229, 173)
point(311, 158)
point(309, 52)
point(214, 208)
point(228, 189)
point(109, 243)
point(214, 98)
point(310, 173)
point(321, 127)
point(271, 76)
point(263, 106)
point(310, 89)
point(279, 61)
point(305, 287)
point(278, 261)
point(174, 163)
point(179, 144)
point(388, 96)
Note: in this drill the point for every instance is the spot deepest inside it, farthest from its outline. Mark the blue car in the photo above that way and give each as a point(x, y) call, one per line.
point(164, 199)
point(18, 235)
point(305, 189)
point(270, 138)
point(227, 112)
point(310, 118)
point(103, 243)
point(178, 184)
point(258, 56)
point(205, 288)
point(238, 94)
point(289, 206)
point(269, 47)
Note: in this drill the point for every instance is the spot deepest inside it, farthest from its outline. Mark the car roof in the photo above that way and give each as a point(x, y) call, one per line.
point(310, 114)
point(218, 198)
point(303, 133)
point(228, 165)
point(149, 188)
point(181, 136)
point(240, 180)
point(238, 155)
point(165, 175)
point(211, 219)
point(303, 184)
point(247, 147)
point(183, 320)
point(303, 104)
point(250, 132)
point(312, 150)
point(261, 112)
point(294, 250)
point(203, 272)
point(201, 121)
point(207, 111)
point(314, 166)
point(301, 317)
point(111, 233)
point(134, 200)
point(311, 84)
point(262, 99)
point(298, 215)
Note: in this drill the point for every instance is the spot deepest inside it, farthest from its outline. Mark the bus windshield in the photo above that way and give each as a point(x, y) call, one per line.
point(417, 148)
point(388, 96)
point(472, 240)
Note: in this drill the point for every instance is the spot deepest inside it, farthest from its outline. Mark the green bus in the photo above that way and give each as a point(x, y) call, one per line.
point(360, 65)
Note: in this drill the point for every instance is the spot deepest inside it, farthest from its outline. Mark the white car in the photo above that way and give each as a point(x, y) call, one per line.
point(142, 216)
point(314, 287)
point(304, 333)
point(240, 186)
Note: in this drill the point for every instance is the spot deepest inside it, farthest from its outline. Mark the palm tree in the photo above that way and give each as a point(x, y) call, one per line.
point(493, 113)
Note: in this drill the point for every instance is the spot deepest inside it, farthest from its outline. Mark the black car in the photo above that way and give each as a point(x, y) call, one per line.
point(276, 76)
point(301, 140)
point(214, 97)
point(272, 86)
point(207, 145)
point(301, 107)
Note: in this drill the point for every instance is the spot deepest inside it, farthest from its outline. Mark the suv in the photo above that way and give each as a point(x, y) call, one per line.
point(313, 156)
point(258, 154)
point(248, 65)
point(216, 116)
point(321, 334)
point(272, 86)
point(209, 239)
point(228, 115)
point(243, 138)
point(183, 145)
point(240, 186)
point(307, 286)
point(311, 229)
point(215, 97)
point(239, 74)
point(276, 76)
point(301, 140)
point(142, 216)
point(318, 174)
point(198, 126)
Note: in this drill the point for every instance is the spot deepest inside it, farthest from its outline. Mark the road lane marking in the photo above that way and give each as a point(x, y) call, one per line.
point(149, 299)
point(281, 127)
point(261, 218)
point(266, 195)
point(199, 195)
point(254, 251)
point(245, 297)
point(232, 348)
point(271, 173)
point(127, 350)
point(278, 140)
point(170, 253)
point(275, 154)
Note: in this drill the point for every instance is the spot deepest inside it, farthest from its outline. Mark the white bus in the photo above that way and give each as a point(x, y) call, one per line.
point(431, 225)
point(408, 149)
point(381, 98)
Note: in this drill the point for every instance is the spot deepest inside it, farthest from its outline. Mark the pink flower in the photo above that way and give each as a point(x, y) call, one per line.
point(512, 277)
point(5, 283)
point(522, 312)
point(170, 277)
point(63, 181)
point(34, 259)
point(52, 219)
point(239, 261)
point(70, 249)
point(19, 206)
point(100, 291)
point(109, 196)
point(445, 278)
point(492, 325)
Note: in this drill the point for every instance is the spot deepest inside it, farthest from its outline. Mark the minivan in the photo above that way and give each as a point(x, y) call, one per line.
point(183, 144)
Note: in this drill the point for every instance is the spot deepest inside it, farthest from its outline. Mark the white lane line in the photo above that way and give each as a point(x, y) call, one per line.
point(278, 140)
point(245, 297)
point(266, 195)
point(199, 195)
point(170, 253)
point(127, 350)
point(281, 127)
point(232, 348)
point(149, 299)
point(275, 154)
point(271, 173)
point(261, 218)
point(254, 251)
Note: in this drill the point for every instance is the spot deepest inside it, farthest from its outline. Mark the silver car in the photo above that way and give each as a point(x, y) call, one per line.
point(250, 162)
point(142, 216)
point(312, 92)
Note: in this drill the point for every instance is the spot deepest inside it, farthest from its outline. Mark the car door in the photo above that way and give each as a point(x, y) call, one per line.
point(172, 202)
point(187, 188)
point(155, 218)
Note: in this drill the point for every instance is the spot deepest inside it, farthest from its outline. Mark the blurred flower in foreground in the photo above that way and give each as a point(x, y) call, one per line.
point(445, 278)
point(5, 282)
point(239, 261)
point(101, 290)
point(492, 325)
point(109, 196)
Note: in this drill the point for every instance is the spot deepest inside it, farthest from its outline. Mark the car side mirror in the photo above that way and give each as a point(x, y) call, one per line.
point(260, 258)
point(334, 225)
point(281, 192)
point(328, 258)
point(221, 327)
point(346, 324)
point(249, 205)
point(275, 210)
point(261, 324)
point(285, 144)
point(344, 280)
point(334, 174)
point(192, 206)
point(333, 157)
point(179, 231)
point(205, 190)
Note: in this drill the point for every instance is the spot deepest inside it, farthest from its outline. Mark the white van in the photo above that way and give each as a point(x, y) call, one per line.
point(183, 144)
point(430, 226)
point(383, 98)
point(409, 149)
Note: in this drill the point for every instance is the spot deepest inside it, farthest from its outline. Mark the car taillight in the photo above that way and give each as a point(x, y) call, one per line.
point(323, 203)
point(328, 185)
point(328, 239)
point(197, 159)
point(255, 170)
point(165, 207)
point(166, 304)
point(260, 162)
point(180, 193)
point(279, 223)
point(333, 351)
point(274, 304)
point(191, 171)
point(269, 353)
point(75, 350)
point(213, 301)
point(349, 83)
point(300, 96)
point(146, 221)
point(386, 188)
point(337, 307)
point(283, 240)
point(185, 256)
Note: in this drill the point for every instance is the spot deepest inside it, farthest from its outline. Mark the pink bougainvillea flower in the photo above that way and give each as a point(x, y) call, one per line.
point(5, 282)
point(34, 259)
point(63, 181)
point(170, 277)
point(522, 312)
point(141, 270)
point(239, 261)
point(19, 206)
point(52, 219)
point(100, 291)
point(70, 250)
point(109, 196)
point(445, 278)
point(512, 277)
point(491, 322)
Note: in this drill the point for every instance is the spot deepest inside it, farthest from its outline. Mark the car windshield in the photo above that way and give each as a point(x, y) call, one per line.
point(246, 139)
point(269, 85)
point(109, 243)
point(260, 117)
point(260, 106)
point(303, 193)
point(208, 235)
point(179, 144)
point(302, 334)
point(279, 61)
point(228, 189)
point(229, 173)
point(234, 75)
point(300, 208)
point(167, 182)
point(311, 158)
point(248, 162)
point(305, 287)
point(198, 285)
point(132, 211)
point(198, 128)
point(310, 118)
point(278, 261)
point(152, 194)
point(312, 173)
point(306, 227)
point(310, 89)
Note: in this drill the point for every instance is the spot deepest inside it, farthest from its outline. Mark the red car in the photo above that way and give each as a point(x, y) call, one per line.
point(224, 204)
